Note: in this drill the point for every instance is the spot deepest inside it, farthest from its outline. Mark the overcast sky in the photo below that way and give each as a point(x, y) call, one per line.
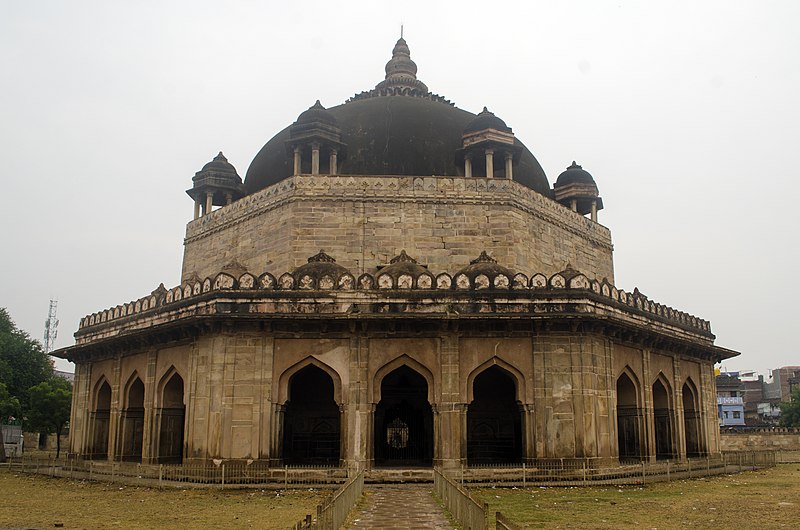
point(686, 113)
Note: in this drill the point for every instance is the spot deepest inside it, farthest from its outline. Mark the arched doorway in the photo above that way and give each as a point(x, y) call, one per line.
point(133, 422)
point(662, 420)
point(101, 418)
point(494, 419)
point(628, 419)
point(691, 420)
point(312, 420)
point(172, 416)
point(403, 420)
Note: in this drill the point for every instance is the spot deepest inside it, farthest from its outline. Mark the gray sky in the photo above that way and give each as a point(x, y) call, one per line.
point(686, 113)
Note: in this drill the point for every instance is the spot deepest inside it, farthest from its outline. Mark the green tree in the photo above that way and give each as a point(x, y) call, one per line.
point(790, 411)
point(9, 406)
point(23, 363)
point(50, 403)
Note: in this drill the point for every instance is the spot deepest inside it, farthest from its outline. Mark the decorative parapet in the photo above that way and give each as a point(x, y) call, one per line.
point(496, 283)
point(457, 190)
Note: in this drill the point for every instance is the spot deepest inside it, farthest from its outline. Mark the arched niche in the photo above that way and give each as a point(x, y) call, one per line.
point(691, 419)
point(494, 418)
point(101, 419)
point(132, 424)
point(171, 415)
point(286, 376)
point(663, 419)
point(516, 376)
point(629, 416)
point(311, 419)
point(403, 420)
point(402, 360)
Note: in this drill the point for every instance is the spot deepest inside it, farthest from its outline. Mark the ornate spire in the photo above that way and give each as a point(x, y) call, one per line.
point(402, 257)
point(483, 258)
point(321, 257)
point(400, 66)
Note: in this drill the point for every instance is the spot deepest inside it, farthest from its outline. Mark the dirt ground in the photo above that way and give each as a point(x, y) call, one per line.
point(758, 499)
point(35, 501)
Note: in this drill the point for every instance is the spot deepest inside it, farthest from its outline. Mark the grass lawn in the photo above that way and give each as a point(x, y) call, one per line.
point(758, 499)
point(35, 501)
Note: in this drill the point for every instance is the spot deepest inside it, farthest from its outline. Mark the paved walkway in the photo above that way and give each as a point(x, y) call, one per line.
point(400, 507)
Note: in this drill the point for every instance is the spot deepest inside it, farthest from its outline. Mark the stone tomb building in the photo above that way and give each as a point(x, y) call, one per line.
point(463, 311)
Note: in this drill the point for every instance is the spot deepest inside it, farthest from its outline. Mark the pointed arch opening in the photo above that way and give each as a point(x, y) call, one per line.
point(101, 419)
point(133, 421)
point(403, 420)
point(663, 420)
point(494, 419)
point(629, 418)
point(691, 420)
point(312, 419)
point(171, 419)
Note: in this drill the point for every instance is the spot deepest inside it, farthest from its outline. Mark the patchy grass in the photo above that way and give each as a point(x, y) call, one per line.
point(35, 501)
point(757, 499)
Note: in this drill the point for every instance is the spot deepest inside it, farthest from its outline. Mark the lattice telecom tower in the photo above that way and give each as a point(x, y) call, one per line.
point(50, 327)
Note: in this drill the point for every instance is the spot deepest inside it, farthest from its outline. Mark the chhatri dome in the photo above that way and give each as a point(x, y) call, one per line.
point(397, 128)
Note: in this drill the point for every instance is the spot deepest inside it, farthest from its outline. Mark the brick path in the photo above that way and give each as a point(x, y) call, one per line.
point(400, 507)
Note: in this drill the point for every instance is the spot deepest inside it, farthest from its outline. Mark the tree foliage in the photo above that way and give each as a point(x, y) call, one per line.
point(50, 403)
point(9, 407)
point(23, 362)
point(790, 411)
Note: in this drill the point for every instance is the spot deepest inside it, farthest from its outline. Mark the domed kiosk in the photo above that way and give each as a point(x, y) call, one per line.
point(463, 313)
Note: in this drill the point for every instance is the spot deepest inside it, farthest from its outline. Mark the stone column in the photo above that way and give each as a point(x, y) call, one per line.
point(468, 166)
point(315, 159)
point(594, 211)
point(296, 161)
point(574, 205)
point(529, 432)
point(150, 428)
point(115, 412)
point(333, 169)
point(677, 393)
point(228, 198)
point(196, 208)
point(209, 202)
point(451, 409)
point(648, 412)
point(489, 163)
point(509, 166)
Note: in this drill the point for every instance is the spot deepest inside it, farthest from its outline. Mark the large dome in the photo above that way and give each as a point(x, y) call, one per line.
point(396, 129)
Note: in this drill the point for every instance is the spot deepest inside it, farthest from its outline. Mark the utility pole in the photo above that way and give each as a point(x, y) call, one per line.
point(50, 327)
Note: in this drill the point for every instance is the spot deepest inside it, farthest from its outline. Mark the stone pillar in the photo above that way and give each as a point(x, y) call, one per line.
point(296, 161)
point(677, 393)
point(115, 412)
point(276, 452)
point(529, 432)
point(648, 412)
point(489, 163)
point(468, 167)
point(574, 205)
point(209, 202)
point(509, 166)
point(594, 211)
point(449, 413)
point(333, 169)
point(315, 159)
point(196, 208)
point(150, 428)
point(228, 198)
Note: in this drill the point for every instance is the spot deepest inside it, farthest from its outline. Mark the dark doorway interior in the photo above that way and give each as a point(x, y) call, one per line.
point(662, 415)
point(133, 422)
point(172, 413)
point(100, 422)
point(494, 420)
point(311, 428)
point(404, 420)
point(691, 420)
point(628, 419)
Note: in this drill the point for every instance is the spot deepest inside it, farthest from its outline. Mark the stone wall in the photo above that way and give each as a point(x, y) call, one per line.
point(760, 439)
point(238, 381)
point(365, 221)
